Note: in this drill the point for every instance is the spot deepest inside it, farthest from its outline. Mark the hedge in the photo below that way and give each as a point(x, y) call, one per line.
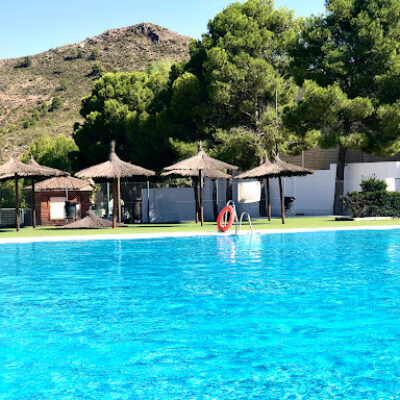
point(373, 204)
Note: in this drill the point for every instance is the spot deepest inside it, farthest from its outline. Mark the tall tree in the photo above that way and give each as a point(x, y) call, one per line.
point(348, 62)
point(241, 61)
point(55, 152)
point(122, 107)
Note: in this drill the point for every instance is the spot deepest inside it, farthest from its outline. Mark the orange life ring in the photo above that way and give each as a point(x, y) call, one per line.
point(227, 209)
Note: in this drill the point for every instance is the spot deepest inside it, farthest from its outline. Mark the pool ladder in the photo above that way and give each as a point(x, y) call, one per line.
point(239, 221)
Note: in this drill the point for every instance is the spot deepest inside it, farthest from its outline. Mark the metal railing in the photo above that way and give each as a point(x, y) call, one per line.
point(238, 221)
point(239, 225)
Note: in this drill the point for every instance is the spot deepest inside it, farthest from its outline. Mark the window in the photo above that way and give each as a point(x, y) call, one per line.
point(57, 208)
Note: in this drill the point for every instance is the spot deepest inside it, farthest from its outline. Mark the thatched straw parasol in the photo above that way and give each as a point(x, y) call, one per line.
point(114, 169)
point(200, 163)
point(91, 221)
point(16, 169)
point(194, 174)
point(277, 169)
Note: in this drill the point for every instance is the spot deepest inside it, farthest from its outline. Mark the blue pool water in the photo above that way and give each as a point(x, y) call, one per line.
point(292, 316)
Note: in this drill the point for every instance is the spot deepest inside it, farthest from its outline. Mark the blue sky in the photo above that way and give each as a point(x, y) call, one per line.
point(33, 26)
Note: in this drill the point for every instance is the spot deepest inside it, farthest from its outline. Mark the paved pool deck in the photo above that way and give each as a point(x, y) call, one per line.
point(160, 235)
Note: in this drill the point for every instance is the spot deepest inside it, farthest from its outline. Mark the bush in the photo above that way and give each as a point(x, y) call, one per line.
point(95, 54)
point(43, 108)
point(373, 185)
point(56, 104)
point(373, 204)
point(63, 85)
point(35, 115)
point(24, 63)
point(7, 193)
point(29, 122)
point(73, 54)
point(97, 69)
point(374, 200)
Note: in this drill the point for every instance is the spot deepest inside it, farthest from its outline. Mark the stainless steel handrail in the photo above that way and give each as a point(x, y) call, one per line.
point(239, 225)
point(238, 222)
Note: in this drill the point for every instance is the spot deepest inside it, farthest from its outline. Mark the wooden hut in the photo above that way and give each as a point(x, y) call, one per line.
point(53, 195)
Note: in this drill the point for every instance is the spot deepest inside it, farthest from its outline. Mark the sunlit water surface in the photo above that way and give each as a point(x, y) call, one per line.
point(292, 316)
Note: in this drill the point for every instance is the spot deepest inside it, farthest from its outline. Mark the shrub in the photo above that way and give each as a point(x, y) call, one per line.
point(373, 184)
point(7, 190)
point(24, 63)
point(97, 69)
point(63, 85)
point(74, 53)
point(28, 123)
point(35, 115)
point(95, 55)
point(43, 108)
point(373, 204)
point(56, 104)
point(374, 200)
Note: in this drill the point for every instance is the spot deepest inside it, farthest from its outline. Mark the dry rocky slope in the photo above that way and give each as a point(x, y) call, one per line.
point(66, 72)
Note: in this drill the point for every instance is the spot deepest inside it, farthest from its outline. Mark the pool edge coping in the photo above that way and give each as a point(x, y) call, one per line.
point(161, 235)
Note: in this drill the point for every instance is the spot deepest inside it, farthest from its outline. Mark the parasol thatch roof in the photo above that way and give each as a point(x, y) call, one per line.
point(114, 168)
point(91, 222)
point(288, 169)
point(58, 184)
point(15, 167)
point(47, 171)
point(207, 173)
point(274, 170)
point(201, 161)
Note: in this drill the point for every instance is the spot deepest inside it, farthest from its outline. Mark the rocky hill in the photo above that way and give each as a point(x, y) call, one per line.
point(28, 85)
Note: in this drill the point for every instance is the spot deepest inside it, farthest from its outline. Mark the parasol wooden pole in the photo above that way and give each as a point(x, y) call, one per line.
point(17, 202)
point(196, 200)
point(268, 201)
point(114, 221)
point(282, 204)
point(119, 198)
point(33, 204)
point(201, 198)
point(148, 202)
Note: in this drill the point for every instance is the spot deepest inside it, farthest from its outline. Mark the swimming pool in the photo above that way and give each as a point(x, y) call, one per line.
point(286, 316)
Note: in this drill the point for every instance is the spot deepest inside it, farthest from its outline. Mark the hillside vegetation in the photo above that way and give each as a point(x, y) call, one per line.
point(41, 94)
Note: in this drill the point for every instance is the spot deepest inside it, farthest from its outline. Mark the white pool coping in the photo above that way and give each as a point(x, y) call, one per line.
point(137, 236)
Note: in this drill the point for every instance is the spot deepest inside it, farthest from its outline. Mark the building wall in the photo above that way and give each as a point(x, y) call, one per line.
point(314, 194)
point(388, 171)
point(177, 204)
point(42, 205)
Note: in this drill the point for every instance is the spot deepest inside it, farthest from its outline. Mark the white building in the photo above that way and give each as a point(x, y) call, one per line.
point(314, 194)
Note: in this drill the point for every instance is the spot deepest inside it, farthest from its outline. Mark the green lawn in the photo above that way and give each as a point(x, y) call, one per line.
point(291, 223)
